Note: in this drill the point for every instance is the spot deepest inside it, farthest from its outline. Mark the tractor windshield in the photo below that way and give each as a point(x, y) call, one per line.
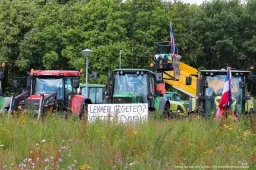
point(131, 83)
point(95, 94)
point(49, 85)
point(214, 90)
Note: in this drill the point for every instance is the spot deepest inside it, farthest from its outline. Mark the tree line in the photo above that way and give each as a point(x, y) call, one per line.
point(50, 34)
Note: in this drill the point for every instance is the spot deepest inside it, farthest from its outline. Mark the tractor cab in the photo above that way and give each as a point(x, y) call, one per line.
point(132, 85)
point(210, 85)
point(96, 92)
point(62, 83)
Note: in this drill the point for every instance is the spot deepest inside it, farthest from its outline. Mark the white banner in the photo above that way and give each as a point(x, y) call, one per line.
point(121, 112)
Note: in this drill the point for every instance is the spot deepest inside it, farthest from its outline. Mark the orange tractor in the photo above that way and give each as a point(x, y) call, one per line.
point(51, 91)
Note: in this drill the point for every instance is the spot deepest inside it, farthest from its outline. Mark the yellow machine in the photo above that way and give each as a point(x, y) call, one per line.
point(180, 84)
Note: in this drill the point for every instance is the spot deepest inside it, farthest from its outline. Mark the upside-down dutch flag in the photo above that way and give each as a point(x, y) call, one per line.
point(226, 97)
point(172, 42)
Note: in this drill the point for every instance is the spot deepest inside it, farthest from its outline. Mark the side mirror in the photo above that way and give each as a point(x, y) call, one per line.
point(188, 80)
point(75, 83)
point(94, 75)
point(159, 77)
point(15, 84)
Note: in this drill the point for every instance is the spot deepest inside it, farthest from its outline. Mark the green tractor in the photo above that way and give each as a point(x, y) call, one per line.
point(96, 92)
point(210, 85)
point(130, 85)
point(178, 107)
point(4, 100)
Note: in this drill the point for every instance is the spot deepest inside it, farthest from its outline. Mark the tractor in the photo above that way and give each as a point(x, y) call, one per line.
point(52, 90)
point(4, 100)
point(131, 85)
point(178, 107)
point(96, 92)
point(210, 85)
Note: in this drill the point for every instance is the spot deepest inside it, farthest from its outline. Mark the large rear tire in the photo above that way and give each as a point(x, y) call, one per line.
point(83, 114)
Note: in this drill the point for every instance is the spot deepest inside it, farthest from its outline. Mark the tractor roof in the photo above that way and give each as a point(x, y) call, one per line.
point(133, 70)
point(93, 85)
point(224, 72)
point(55, 73)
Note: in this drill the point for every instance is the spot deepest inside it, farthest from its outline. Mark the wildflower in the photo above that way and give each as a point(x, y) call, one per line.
point(64, 147)
point(1, 145)
point(238, 149)
point(43, 141)
point(226, 126)
point(69, 155)
point(210, 151)
point(135, 132)
point(246, 133)
point(46, 160)
point(37, 144)
point(84, 167)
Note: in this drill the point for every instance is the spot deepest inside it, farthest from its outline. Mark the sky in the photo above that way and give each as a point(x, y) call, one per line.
point(198, 2)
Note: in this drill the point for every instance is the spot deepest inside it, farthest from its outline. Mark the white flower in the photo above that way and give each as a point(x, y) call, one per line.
point(43, 141)
point(46, 160)
point(2, 145)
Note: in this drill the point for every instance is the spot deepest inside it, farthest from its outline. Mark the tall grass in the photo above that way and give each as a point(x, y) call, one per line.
point(57, 143)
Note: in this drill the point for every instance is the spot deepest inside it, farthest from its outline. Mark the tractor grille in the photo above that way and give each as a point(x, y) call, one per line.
point(122, 100)
point(32, 104)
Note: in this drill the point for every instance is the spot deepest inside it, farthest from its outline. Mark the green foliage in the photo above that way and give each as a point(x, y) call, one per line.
point(50, 34)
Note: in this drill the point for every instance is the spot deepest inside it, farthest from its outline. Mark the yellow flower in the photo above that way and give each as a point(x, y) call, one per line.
point(210, 151)
point(238, 149)
point(84, 167)
point(135, 132)
point(246, 133)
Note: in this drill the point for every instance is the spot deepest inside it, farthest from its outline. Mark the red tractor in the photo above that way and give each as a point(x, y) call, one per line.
point(52, 90)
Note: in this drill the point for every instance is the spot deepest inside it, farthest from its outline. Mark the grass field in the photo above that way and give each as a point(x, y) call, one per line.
point(57, 143)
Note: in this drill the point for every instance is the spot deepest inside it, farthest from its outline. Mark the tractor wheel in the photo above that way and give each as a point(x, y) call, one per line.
point(167, 111)
point(83, 114)
point(192, 115)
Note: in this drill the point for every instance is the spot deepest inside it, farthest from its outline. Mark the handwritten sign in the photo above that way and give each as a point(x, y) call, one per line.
point(123, 113)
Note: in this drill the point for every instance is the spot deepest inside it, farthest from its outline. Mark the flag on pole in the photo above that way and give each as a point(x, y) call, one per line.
point(172, 42)
point(226, 97)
